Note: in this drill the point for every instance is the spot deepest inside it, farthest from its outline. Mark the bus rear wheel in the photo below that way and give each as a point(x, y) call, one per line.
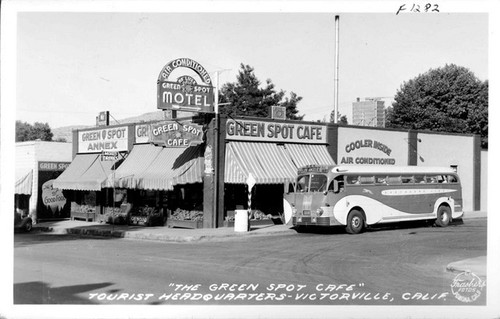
point(443, 216)
point(355, 222)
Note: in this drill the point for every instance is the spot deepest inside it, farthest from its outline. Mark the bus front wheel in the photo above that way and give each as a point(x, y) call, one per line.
point(443, 216)
point(355, 222)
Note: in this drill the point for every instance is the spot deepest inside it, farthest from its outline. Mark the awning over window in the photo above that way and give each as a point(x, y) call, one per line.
point(158, 168)
point(307, 154)
point(86, 172)
point(24, 181)
point(270, 163)
point(173, 166)
point(139, 159)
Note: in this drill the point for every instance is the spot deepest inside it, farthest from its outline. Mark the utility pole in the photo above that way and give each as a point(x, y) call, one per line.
point(216, 147)
point(336, 73)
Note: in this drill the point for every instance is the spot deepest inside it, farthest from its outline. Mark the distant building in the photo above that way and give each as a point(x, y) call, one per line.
point(37, 165)
point(370, 112)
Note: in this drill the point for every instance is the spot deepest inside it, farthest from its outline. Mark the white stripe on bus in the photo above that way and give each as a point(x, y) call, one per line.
point(418, 191)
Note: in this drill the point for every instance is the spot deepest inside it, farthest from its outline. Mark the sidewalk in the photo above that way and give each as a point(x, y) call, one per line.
point(475, 214)
point(159, 233)
point(162, 233)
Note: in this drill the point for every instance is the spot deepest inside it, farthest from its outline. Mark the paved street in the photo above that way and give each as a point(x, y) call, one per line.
point(404, 265)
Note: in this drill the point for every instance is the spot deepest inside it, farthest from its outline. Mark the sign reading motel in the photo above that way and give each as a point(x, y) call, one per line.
point(185, 93)
point(244, 130)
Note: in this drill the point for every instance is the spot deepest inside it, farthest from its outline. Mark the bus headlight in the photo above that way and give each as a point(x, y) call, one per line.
point(319, 211)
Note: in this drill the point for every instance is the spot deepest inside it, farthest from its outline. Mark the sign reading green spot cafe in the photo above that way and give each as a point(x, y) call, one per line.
point(170, 134)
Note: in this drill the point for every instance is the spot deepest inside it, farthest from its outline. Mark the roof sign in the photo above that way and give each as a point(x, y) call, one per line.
point(185, 93)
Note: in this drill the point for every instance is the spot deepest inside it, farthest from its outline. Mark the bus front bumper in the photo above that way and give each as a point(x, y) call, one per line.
point(314, 221)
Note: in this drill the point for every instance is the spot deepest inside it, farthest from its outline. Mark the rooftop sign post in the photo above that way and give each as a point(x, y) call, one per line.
point(185, 94)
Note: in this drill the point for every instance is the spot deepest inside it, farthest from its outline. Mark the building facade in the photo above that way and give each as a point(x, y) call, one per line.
point(38, 164)
point(194, 172)
point(370, 112)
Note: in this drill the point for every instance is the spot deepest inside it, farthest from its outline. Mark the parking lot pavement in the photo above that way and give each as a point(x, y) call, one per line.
point(161, 233)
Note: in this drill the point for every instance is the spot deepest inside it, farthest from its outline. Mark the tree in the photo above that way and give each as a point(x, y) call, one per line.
point(341, 119)
point(246, 97)
point(448, 99)
point(28, 132)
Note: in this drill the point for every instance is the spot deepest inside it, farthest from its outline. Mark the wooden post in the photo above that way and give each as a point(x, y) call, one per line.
point(209, 200)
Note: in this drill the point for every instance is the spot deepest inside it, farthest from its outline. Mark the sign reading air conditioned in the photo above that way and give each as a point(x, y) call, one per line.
point(278, 112)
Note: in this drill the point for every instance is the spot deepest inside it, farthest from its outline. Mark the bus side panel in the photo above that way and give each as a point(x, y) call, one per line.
point(387, 194)
point(407, 198)
point(374, 210)
point(378, 212)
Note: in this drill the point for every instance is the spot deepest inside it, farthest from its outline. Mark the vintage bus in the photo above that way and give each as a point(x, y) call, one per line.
point(360, 196)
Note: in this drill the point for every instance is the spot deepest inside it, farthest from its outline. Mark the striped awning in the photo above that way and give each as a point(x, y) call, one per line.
point(307, 154)
point(24, 181)
point(86, 172)
point(270, 163)
point(267, 162)
point(139, 159)
point(173, 166)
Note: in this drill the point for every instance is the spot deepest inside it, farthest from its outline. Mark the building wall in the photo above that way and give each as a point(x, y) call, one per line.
point(359, 145)
point(26, 159)
point(484, 180)
point(447, 150)
point(28, 154)
point(355, 146)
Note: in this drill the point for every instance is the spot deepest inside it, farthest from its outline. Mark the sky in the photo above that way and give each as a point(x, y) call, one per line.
point(73, 65)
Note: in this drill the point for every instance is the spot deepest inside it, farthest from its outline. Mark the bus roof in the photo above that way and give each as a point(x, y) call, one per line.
point(374, 169)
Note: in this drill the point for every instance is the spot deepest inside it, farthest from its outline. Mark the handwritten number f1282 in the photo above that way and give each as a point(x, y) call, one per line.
point(429, 7)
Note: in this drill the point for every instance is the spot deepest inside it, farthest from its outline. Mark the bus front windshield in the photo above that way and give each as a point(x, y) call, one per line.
point(312, 183)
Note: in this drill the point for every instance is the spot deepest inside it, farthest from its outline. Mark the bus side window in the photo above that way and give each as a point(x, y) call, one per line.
point(337, 185)
point(394, 180)
point(419, 179)
point(381, 180)
point(431, 179)
point(367, 180)
point(407, 179)
point(353, 180)
point(452, 179)
point(331, 187)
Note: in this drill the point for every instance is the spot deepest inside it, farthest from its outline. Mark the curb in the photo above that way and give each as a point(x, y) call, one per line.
point(476, 266)
point(155, 237)
point(187, 237)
